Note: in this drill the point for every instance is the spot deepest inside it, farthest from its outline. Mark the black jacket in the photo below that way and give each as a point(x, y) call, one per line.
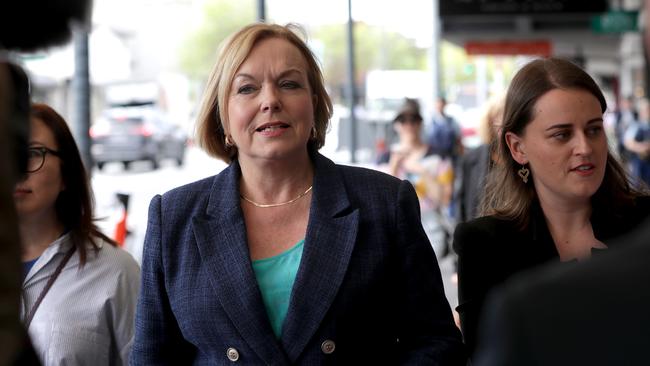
point(474, 166)
point(490, 250)
point(592, 313)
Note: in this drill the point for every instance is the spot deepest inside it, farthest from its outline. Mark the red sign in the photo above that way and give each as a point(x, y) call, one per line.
point(539, 48)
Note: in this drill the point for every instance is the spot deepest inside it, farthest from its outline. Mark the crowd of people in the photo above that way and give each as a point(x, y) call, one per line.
point(287, 258)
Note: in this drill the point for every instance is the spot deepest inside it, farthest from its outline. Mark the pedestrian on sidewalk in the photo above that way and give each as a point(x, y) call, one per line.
point(556, 193)
point(284, 257)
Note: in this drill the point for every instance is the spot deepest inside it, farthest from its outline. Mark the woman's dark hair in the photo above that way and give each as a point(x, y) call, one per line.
point(506, 195)
point(410, 108)
point(74, 205)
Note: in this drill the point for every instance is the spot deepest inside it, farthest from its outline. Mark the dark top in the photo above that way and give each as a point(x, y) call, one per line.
point(490, 250)
point(27, 265)
point(471, 176)
point(592, 313)
point(368, 289)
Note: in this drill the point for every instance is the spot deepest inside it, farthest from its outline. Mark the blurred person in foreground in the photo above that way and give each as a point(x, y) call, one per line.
point(285, 257)
point(593, 313)
point(79, 291)
point(18, 33)
point(13, 151)
point(557, 194)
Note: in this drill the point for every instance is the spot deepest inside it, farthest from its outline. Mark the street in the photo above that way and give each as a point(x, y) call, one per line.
point(141, 183)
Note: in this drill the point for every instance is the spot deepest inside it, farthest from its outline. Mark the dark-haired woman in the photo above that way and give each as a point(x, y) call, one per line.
point(556, 193)
point(79, 290)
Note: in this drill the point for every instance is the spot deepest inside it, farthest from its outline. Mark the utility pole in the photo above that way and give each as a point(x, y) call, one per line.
point(435, 50)
point(351, 89)
point(81, 93)
point(261, 11)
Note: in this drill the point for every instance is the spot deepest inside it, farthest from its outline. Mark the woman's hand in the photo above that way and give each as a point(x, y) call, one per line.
point(396, 161)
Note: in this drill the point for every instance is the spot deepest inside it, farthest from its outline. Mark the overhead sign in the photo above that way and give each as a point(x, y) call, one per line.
point(486, 7)
point(538, 48)
point(615, 22)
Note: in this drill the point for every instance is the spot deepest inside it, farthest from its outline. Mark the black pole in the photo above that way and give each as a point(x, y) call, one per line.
point(351, 89)
point(645, 43)
point(261, 11)
point(81, 92)
point(435, 50)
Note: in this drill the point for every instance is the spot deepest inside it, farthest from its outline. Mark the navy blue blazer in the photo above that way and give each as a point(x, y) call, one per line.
point(368, 282)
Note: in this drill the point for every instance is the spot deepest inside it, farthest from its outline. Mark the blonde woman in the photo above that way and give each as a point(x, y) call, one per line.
point(285, 257)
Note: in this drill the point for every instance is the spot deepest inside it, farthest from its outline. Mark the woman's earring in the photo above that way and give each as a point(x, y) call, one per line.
point(524, 173)
point(229, 142)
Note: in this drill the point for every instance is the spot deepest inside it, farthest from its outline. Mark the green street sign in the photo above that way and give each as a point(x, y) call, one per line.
point(615, 22)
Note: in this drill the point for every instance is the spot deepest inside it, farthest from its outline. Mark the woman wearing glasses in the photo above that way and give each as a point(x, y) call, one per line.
point(79, 291)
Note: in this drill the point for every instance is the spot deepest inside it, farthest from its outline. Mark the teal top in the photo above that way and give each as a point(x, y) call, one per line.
point(275, 277)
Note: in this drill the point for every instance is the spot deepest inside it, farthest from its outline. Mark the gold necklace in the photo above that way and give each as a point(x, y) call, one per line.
point(262, 205)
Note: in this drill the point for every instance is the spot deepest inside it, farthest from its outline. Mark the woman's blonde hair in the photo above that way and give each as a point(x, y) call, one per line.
point(506, 195)
point(212, 122)
point(492, 114)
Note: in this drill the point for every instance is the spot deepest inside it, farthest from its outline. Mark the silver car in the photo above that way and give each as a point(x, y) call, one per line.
point(136, 132)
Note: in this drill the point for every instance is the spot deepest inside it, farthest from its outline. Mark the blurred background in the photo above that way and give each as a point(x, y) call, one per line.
point(131, 79)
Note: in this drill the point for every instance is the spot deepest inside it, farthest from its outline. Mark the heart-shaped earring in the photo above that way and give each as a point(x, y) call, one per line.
point(523, 173)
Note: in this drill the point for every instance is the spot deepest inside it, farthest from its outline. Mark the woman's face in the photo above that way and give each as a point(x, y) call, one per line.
point(408, 127)
point(565, 146)
point(271, 104)
point(36, 195)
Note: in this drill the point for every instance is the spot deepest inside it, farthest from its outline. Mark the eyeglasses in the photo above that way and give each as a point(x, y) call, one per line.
point(36, 157)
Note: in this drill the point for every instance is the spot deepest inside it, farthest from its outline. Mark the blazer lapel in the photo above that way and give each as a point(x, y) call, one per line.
point(221, 240)
point(331, 234)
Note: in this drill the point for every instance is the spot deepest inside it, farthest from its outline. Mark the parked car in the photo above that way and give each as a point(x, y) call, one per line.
point(129, 133)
